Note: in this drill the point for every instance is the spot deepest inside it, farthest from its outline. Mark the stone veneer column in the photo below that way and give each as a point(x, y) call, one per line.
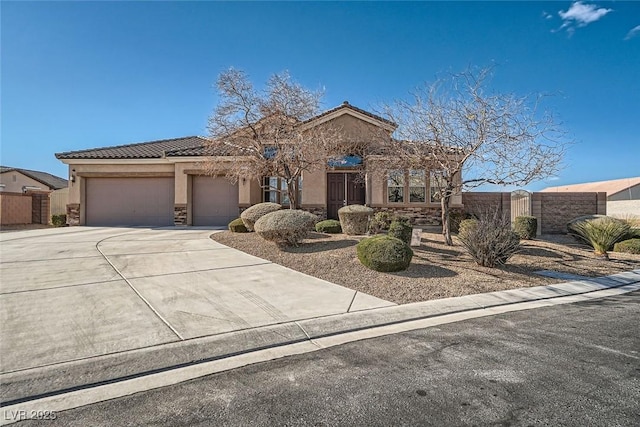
point(180, 214)
point(73, 214)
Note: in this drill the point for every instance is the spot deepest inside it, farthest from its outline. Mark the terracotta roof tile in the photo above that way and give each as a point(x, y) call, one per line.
point(142, 150)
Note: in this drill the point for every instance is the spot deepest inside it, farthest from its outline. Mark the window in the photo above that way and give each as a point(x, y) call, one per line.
point(436, 183)
point(395, 186)
point(417, 186)
point(275, 190)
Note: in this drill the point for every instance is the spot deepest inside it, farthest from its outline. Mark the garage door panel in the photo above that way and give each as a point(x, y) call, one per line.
point(214, 201)
point(130, 201)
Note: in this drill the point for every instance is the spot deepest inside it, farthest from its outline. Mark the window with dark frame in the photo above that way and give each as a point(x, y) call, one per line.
point(275, 190)
point(395, 186)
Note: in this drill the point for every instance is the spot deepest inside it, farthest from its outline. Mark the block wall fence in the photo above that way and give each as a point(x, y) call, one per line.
point(553, 210)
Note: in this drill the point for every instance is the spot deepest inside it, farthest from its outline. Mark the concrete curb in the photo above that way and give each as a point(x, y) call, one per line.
point(107, 377)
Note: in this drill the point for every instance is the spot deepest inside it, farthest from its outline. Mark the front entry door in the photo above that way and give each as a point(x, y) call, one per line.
point(343, 189)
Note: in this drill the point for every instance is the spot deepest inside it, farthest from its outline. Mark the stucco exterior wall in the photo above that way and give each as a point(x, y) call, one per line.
point(314, 188)
point(21, 180)
point(623, 208)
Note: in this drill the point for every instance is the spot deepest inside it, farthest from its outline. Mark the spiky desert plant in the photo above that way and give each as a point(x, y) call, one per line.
point(601, 233)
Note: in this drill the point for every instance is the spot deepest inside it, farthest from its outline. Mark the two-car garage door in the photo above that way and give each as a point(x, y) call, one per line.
point(130, 201)
point(149, 201)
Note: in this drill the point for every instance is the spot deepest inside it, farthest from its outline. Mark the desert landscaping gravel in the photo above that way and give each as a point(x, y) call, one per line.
point(437, 270)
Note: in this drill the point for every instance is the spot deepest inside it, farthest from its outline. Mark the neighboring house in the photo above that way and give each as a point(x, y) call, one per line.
point(17, 180)
point(164, 183)
point(623, 195)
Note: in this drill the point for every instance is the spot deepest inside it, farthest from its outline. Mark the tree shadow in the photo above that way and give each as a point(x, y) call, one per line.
point(322, 246)
point(419, 271)
point(535, 251)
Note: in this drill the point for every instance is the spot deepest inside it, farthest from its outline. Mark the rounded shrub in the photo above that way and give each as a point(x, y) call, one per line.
point(59, 220)
point(255, 212)
point(570, 224)
point(631, 246)
point(467, 225)
point(384, 253)
point(285, 227)
point(237, 226)
point(354, 219)
point(525, 227)
point(380, 222)
point(329, 226)
point(401, 229)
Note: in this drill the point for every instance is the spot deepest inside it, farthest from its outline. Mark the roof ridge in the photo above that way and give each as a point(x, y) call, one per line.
point(346, 104)
point(134, 144)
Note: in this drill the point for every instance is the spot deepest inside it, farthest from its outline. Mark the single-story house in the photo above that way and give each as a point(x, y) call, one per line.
point(623, 195)
point(17, 180)
point(163, 182)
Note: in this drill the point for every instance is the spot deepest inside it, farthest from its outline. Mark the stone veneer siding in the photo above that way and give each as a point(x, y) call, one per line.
point(73, 214)
point(417, 215)
point(180, 214)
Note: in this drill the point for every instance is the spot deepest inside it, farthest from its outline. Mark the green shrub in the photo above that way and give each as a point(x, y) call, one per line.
point(467, 225)
point(59, 220)
point(526, 227)
point(380, 222)
point(490, 241)
point(456, 217)
point(237, 226)
point(384, 253)
point(401, 229)
point(601, 233)
point(630, 246)
point(255, 212)
point(329, 226)
point(354, 219)
point(285, 227)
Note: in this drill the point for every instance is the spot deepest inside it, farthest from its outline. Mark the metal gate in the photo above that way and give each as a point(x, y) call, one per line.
point(520, 204)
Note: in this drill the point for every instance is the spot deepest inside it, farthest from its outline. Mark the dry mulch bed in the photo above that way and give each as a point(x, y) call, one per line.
point(436, 270)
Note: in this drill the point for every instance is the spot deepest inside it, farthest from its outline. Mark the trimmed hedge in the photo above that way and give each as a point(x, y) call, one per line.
point(384, 253)
point(255, 212)
point(354, 219)
point(525, 227)
point(631, 246)
point(237, 226)
point(401, 229)
point(59, 220)
point(285, 227)
point(330, 226)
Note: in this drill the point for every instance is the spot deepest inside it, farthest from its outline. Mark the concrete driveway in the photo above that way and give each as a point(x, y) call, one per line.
point(73, 293)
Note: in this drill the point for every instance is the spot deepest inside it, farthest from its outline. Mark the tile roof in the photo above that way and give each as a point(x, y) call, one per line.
point(346, 104)
point(51, 181)
point(142, 150)
point(178, 147)
point(609, 187)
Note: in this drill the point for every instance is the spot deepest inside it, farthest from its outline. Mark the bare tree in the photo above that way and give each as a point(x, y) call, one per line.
point(470, 137)
point(268, 131)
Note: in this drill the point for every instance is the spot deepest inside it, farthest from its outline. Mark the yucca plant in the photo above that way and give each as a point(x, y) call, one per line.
point(601, 233)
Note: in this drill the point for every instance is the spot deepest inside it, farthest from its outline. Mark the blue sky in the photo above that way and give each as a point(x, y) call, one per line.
point(87, 74)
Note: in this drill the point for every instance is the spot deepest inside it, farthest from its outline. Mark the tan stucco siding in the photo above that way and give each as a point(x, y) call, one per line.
point(82, 171)
point(20, 181)
point(314, 188)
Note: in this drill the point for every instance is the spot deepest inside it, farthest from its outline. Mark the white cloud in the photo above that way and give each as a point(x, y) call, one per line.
point(633, 32)
point(580, 15)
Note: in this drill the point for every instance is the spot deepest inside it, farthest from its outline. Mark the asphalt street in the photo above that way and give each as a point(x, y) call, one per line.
point(572, 365)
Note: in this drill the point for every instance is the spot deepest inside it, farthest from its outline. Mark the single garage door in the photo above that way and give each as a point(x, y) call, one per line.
point(214, 201)
point(130, 201)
